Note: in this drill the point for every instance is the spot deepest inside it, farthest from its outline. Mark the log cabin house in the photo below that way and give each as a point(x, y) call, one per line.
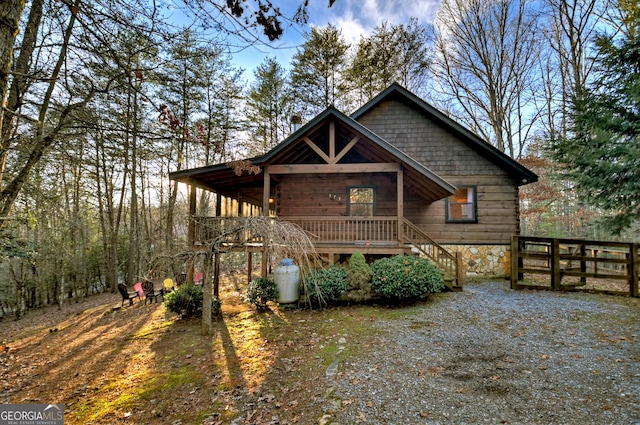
point(397, 176)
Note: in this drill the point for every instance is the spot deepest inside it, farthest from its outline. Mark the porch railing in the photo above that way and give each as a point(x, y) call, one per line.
point(365, 231)
point(350, 230)
point(450, 263)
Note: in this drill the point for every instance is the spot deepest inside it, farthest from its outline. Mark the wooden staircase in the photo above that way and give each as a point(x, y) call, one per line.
point(449, 263)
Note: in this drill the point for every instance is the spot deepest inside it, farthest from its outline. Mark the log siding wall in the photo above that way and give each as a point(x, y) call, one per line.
point(308, 195)
point(444, 153)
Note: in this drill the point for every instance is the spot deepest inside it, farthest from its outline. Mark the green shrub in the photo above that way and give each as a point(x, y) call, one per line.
point(186, 300)
point(405, 277)
point(261, 291)
point(327, 284)
point(359, 272)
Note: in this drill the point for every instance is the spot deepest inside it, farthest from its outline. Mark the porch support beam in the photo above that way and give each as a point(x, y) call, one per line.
point(400, 206)
point(191, 229)
point(346, 149)
point(373, 167)
point(317, 150)
point(218, 204)
point(333, 157)
point(332, 142)
point(266, 192)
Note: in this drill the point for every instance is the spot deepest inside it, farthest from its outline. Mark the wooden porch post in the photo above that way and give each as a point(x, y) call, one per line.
point(266, 191)
point(556, 275)
point(633, 270)
point(191, 229)
point(400, 207)
point(583, 264)
point(216, 274)
point(515, 245)
point(218, 204)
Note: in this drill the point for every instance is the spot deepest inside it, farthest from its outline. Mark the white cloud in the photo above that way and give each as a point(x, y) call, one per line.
point(355, 18)
point(359, 17)
point(374, 12)
point(351, 29)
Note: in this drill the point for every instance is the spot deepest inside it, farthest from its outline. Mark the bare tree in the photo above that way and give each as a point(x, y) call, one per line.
point(484, 57)
point(570, 29)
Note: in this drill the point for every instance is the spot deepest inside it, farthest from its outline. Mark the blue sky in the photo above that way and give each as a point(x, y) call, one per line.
point(353, 17)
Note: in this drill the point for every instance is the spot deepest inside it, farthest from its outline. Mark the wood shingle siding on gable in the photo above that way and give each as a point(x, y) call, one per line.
point(426, 141)
point(448, 155)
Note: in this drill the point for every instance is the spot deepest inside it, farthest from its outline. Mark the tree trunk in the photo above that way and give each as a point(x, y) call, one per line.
point(20, 70)
point(10, 193)
point(10, 13)
point(207, 286)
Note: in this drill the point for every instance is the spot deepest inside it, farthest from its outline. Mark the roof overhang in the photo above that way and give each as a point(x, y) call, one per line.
point(355, 149)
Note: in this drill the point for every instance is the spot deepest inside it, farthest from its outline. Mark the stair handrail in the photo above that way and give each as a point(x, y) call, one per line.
point(451, 263)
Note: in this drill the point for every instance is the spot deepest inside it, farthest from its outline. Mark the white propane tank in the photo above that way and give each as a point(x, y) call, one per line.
point(287, 278)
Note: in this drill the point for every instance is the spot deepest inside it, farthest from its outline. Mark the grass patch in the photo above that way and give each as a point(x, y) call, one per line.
point(330, 353)
point(170, 381)
point(126, 394)
point(152, 327)
point(98, 408)
point(125, 390)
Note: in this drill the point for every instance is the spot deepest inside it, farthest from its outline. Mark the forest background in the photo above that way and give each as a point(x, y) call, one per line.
point(103, 98)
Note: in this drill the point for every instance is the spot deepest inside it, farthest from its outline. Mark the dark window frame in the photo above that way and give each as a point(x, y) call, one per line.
point(447, 209)
point(373, 204)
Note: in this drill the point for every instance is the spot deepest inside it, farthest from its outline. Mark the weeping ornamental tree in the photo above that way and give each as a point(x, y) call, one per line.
point(602, 155)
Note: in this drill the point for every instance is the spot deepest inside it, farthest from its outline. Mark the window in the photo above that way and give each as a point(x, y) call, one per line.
point(362, 201)
point(462, 206)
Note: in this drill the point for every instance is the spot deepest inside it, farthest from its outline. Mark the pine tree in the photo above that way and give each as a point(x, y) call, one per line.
point(602, 157)
point(269, 105)
point(317, 77)
point(393, 53)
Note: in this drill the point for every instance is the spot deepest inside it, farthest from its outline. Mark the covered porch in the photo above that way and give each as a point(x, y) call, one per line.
point(335, 236)
point(340, 183)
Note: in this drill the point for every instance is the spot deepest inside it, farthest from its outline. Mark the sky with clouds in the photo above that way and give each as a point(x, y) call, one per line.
point(354, 18)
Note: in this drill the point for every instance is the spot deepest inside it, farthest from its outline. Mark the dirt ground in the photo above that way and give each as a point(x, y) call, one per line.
point(143, 365)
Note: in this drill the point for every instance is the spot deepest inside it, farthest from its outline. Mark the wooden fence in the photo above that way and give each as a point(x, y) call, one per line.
point(574, 260)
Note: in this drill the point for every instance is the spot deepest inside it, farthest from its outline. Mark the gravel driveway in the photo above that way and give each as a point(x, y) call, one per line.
point(496, 356)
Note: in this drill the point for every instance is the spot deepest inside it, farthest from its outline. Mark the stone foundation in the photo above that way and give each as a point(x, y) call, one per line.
point(484, 260)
